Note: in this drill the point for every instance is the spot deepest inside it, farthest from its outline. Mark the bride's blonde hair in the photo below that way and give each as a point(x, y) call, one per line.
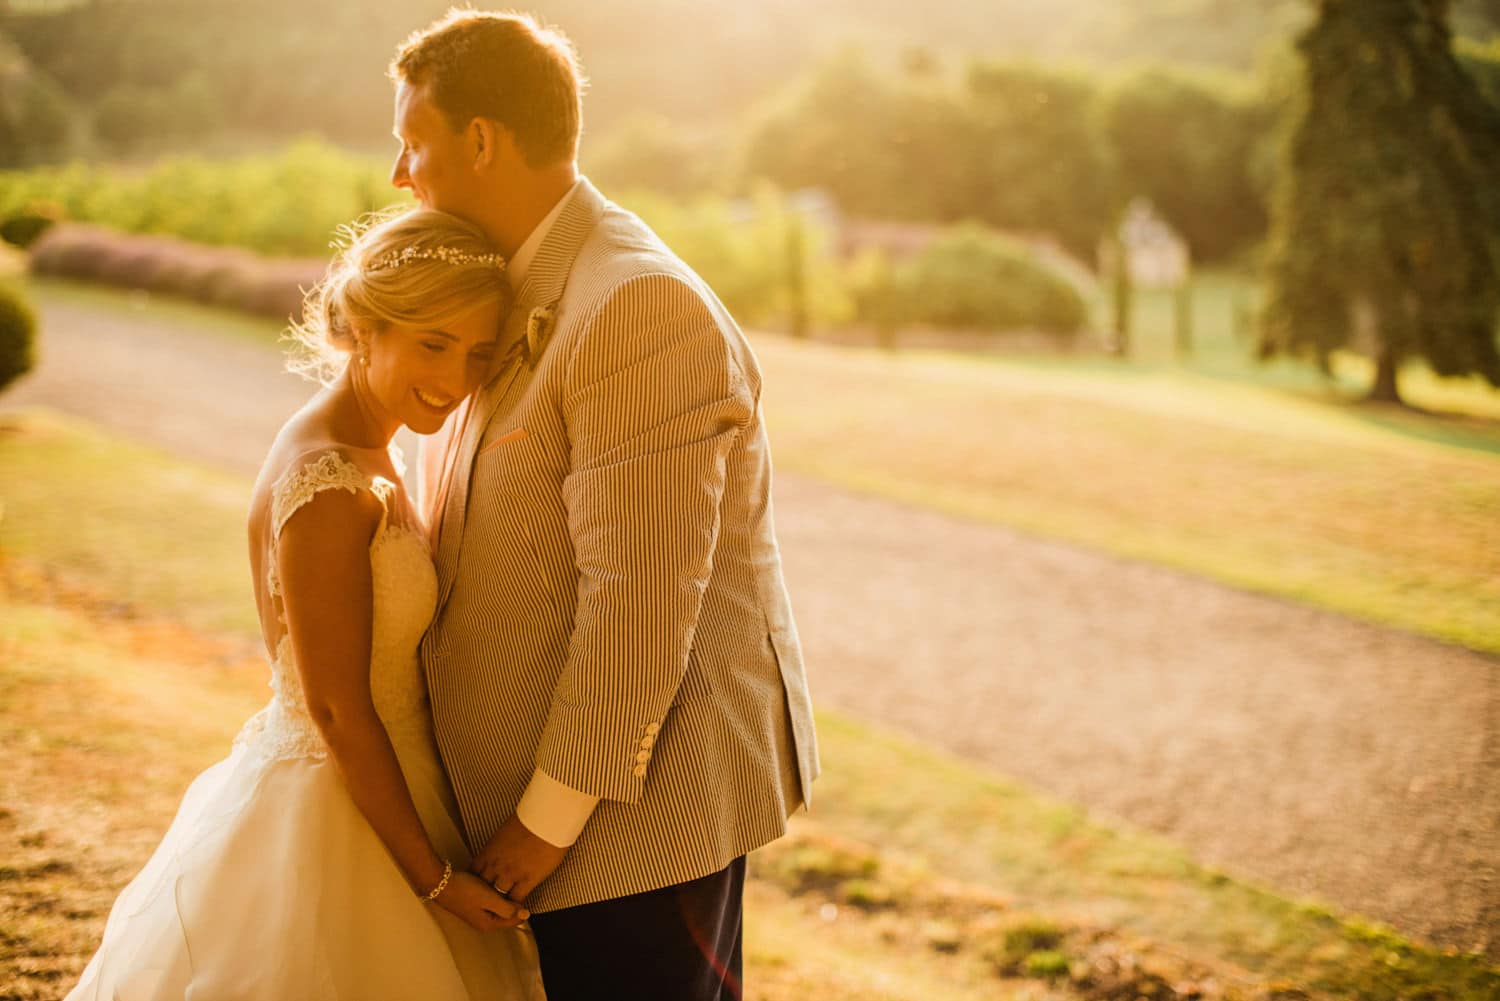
point(411, 267)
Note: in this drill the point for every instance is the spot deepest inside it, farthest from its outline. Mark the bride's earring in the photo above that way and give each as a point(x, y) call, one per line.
point(362, 352)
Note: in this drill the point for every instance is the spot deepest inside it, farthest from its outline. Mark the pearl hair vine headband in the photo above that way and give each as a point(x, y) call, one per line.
point(448, 255)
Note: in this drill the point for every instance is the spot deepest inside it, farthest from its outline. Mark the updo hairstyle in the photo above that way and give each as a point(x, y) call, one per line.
point(415, 268)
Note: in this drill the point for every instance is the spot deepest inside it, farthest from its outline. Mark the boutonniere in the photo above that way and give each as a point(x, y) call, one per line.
point(539, 326)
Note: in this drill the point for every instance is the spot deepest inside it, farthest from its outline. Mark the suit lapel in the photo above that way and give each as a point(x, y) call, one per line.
point(542, 289)
point(548, 275)
point(455, 502)
point(547, 279)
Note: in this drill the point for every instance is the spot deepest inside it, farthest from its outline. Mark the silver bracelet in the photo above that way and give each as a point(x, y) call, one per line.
point(442, 883)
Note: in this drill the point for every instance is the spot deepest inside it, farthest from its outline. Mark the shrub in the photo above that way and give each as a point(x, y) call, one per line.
point(182, 269)
point(867, 894)
point(275, 287)
point(1047, 963)
point(225, 282)
point(22, 230)
point(71, 251)
point(218, 276)
point(975, 279)
point(17, 337)
point(1033, 946)
point(127, 263)
point(288, 202)
point(824, 866)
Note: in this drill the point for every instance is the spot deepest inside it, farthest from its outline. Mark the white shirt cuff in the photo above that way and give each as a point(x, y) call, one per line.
point(554, 812)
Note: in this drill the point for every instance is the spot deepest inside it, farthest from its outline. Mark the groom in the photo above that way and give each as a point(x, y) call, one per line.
point(616, 678)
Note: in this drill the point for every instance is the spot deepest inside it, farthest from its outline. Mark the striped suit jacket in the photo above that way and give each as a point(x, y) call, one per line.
point(611, 607)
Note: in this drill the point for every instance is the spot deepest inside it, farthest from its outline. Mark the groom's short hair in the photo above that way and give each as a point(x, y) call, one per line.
point(508, 67)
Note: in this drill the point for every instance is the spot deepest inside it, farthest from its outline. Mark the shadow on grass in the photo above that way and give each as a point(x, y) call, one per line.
point(1294, 380)
point(1465, 431)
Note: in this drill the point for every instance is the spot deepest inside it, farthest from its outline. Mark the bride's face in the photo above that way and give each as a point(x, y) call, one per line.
point(417, 377)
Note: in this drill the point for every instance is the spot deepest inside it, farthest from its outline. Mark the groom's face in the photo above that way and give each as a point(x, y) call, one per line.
point(435, 163)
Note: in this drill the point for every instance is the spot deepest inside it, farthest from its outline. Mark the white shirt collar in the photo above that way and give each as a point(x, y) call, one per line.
point(520, 262)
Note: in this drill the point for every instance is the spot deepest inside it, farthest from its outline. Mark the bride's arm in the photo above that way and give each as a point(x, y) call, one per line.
point(323, 560)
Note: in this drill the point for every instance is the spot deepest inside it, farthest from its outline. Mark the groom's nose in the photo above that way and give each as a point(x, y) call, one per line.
point(399, 177)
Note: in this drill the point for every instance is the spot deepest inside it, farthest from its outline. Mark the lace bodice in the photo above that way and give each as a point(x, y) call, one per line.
point(405, 594)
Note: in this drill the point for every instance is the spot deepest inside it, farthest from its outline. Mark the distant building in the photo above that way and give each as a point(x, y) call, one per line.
point(898, 241)
point(1159, 258)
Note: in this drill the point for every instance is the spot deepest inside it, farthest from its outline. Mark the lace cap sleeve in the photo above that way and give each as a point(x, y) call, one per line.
point(327, 471)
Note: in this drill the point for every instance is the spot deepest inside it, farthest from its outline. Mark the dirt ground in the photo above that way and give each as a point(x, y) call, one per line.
point(1325, 757)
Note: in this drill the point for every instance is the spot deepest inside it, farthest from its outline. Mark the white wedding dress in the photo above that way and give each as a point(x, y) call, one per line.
point(269, 884)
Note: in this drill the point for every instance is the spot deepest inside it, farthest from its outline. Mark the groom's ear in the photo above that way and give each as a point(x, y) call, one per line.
point(485, 138)
point(480, 140)
point(491, 144)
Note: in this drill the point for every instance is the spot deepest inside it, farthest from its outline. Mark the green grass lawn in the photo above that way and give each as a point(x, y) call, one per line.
point(128, 659)
point(1382, 514)
point(1223, 347)
point(153, 524)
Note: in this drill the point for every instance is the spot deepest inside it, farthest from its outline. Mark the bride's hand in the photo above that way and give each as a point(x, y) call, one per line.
point(477, 903)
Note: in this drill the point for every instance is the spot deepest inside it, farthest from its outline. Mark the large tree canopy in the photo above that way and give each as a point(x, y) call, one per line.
point(1197, 147)
point(1387, 215)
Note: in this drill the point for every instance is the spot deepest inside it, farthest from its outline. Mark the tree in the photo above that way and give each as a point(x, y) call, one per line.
point(1388, 206)
point(832, 130)
point(1478, 18)
point(651, 153)
point(894, 150)
point(35, 116)
point(1045, 162)
point(1482, 62)
point(1192, 144)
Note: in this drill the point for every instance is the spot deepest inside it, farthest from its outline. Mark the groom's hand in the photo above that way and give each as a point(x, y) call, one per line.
point(516, 861)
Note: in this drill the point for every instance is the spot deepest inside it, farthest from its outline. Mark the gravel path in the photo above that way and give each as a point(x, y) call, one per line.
point(1297, 747)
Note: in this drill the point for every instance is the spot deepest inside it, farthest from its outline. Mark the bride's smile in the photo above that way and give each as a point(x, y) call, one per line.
point(434, 402)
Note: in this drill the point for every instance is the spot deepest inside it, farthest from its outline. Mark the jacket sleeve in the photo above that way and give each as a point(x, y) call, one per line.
point(653, 402)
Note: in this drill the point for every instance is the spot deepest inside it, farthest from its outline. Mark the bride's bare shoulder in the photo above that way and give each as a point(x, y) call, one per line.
point(302, 441)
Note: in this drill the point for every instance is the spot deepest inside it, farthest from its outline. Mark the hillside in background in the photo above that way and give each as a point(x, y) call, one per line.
point(164, 73)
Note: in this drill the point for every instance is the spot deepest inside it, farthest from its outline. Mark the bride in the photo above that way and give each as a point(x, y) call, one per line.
point(323, 857)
